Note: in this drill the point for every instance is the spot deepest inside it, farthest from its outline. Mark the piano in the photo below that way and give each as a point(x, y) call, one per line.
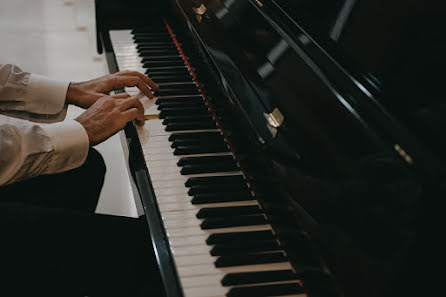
point(295, 147)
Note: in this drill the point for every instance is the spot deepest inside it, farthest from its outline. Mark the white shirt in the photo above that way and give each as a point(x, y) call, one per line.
point(28, 149)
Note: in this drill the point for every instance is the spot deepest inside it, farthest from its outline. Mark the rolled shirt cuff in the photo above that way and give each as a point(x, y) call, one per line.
point(45, 96)
point(71, 144)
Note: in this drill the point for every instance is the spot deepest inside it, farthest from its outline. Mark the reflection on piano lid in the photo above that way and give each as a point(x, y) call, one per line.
point(288, 151)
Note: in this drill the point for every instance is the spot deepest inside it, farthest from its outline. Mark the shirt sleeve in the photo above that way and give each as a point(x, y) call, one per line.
point(25, 92)
point(29, 149)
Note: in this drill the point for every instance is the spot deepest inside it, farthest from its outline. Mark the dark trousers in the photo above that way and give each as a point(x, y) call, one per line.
point(52, 243)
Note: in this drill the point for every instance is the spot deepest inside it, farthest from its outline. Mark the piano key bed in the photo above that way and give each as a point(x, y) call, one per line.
point(218, 235)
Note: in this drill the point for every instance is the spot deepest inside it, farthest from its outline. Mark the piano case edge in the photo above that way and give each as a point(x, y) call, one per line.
point(141, 177)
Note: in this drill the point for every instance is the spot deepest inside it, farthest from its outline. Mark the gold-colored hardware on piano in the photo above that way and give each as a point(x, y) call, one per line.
point(275, 118)
point(151, 116)
point(200, 10)
point(403, 154)
point(260, 4)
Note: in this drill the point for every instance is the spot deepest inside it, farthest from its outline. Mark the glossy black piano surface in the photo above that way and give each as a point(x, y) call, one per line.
point(356, 167)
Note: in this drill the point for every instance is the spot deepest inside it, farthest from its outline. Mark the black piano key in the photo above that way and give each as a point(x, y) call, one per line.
point(266, 290)
point(183, 104)
point(222, 238)
point(152, 39)
point(204, 168)
point(158, 27)
point(214, 180)
point(145, 52)
point(250, 259)
point(245, 248)
point(164, 78)
point(221, 197)
point(162, 33)
point(216, 212)
point(190, 126)
point(194, 135)
point(154, 43)
point(155, 58)
point(184, 111)
point(202, 117)
point(172, 49)
point(179, 69)
point(179, 85)
point(167, 79)
point(236, 221)
point(206, 160)
point(192, 99)
point(203, 189)
point(162, 63)
point(211, 188)
point(176, 72)
point(193, 141)
point(204, 149)
point(243, 278)
point(176, 91)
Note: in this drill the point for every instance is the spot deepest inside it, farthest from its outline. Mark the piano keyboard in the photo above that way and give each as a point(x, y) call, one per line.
point(219, 237)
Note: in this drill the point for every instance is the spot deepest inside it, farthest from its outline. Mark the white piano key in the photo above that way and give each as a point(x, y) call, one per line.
point(159, 144)
point(187, 241)
point(210, 291)
point(178, 224)
point(190, 260)
point(201, 249)
point(189, 206)
point(157, 150)
point(168, 184)
point(188, 231)
point(209, 269)
point(171, 191)
point(173, 199)
point(201, 281)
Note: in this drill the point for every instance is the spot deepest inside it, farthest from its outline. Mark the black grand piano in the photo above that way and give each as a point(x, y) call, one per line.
point(296, 146)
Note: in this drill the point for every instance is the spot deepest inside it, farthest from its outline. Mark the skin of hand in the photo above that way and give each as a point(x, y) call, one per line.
point(109, 114)
point(85, 94)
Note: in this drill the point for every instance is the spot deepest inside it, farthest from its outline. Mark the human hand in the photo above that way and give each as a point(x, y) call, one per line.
point(109, 114)
point(85, 94)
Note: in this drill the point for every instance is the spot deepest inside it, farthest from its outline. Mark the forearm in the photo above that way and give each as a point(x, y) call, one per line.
point(29, 150)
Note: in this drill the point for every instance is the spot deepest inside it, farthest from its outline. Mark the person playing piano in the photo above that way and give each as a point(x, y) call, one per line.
point(50, 181)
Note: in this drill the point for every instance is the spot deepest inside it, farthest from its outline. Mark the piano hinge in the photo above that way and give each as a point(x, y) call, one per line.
point(403, 154)
point(274, 120)
point(200, 10)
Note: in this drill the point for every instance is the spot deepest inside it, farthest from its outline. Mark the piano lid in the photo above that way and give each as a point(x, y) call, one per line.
point(395, 50)
point(345, 96)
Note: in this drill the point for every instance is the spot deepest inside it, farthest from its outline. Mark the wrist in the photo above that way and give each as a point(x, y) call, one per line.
point(73, 93)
